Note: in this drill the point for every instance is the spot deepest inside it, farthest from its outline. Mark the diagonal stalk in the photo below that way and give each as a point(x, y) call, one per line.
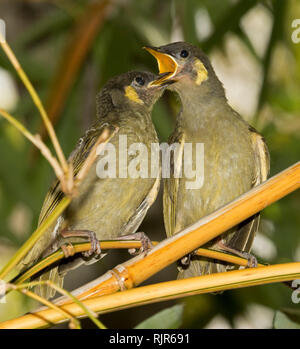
point(107, 245)
point(35, 236)
point(140, 268)
point(74, 323)
point(37, 101)
point(35, 139)
point(65, 201)
point(162, 292)
point(85, 309)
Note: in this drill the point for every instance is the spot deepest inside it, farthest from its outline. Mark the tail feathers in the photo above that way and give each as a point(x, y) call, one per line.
point(46, 291)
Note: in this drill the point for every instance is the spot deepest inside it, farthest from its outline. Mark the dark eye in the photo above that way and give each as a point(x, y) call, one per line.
point(184, 54)
point(140, 80)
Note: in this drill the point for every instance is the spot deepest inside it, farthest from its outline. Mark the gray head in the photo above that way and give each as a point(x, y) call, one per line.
point(182, 62)
point(129, 90)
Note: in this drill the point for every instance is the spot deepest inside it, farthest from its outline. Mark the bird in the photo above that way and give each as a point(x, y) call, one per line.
point(105, 208)
point(235, 156)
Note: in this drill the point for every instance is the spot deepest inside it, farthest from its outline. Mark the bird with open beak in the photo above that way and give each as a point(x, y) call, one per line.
point(235, 158)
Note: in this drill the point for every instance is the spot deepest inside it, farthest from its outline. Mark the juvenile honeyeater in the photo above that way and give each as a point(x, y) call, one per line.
point(105, 208)
point(235, 156)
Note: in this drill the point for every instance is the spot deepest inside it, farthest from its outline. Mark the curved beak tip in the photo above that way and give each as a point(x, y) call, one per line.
point(167, 66)
point(150, 49)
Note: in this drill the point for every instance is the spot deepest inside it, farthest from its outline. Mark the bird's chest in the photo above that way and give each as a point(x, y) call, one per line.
point(114, 187)
point(222, 171)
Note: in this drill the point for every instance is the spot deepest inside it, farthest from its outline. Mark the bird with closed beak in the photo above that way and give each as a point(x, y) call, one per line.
point(105, 208)
point(235, 156)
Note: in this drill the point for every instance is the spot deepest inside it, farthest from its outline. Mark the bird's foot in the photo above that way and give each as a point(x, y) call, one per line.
point(139, 236)
point(95, 249)
point(251, 260)
point(68, 249)
point(186, 260)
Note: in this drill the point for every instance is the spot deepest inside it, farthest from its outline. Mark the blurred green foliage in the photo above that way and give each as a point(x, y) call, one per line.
point(40, 32)
point(287, 319)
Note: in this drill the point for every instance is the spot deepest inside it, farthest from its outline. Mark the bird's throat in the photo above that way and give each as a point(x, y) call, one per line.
point(199, 106)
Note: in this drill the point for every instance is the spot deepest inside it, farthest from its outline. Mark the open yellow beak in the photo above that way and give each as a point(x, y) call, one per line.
point(166, 64)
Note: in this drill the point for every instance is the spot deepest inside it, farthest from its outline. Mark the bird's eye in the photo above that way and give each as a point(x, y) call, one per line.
point(140, 80)
point(184, 54)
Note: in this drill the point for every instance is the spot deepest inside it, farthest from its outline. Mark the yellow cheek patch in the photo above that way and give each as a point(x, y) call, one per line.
point(131, 93)
point(202, 73)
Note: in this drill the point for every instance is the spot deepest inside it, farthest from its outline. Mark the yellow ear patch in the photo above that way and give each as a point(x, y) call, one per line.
point(131, 93)
point(202, 73)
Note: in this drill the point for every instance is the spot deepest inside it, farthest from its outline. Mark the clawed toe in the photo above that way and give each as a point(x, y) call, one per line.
point(143, 238)
point(133, 251)
point(252, 261)
point(146, 243)
point(68, 250)
point(95, 247)
point(186, 260)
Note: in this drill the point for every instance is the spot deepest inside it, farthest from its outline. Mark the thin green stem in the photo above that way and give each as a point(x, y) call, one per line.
point(22, 288)
point(86, 310)
point(35, 236)
point(36, 141)
point(37, 101)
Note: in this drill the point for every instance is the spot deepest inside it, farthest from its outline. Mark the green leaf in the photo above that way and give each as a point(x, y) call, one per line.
point(287, 319)
point(170, 318)
point(229, 22)
point(51, 24)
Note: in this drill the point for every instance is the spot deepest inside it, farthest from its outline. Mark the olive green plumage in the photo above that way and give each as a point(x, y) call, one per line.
point(235, 155)
point(110, 207)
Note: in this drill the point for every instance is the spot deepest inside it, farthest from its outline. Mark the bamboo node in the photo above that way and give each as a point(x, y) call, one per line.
point(122, 276)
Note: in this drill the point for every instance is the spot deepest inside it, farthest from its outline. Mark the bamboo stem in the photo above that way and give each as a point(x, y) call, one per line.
point(162, 292)
point(74, 323)
point(119, 244)
point(140, 268)
point(92, 315)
